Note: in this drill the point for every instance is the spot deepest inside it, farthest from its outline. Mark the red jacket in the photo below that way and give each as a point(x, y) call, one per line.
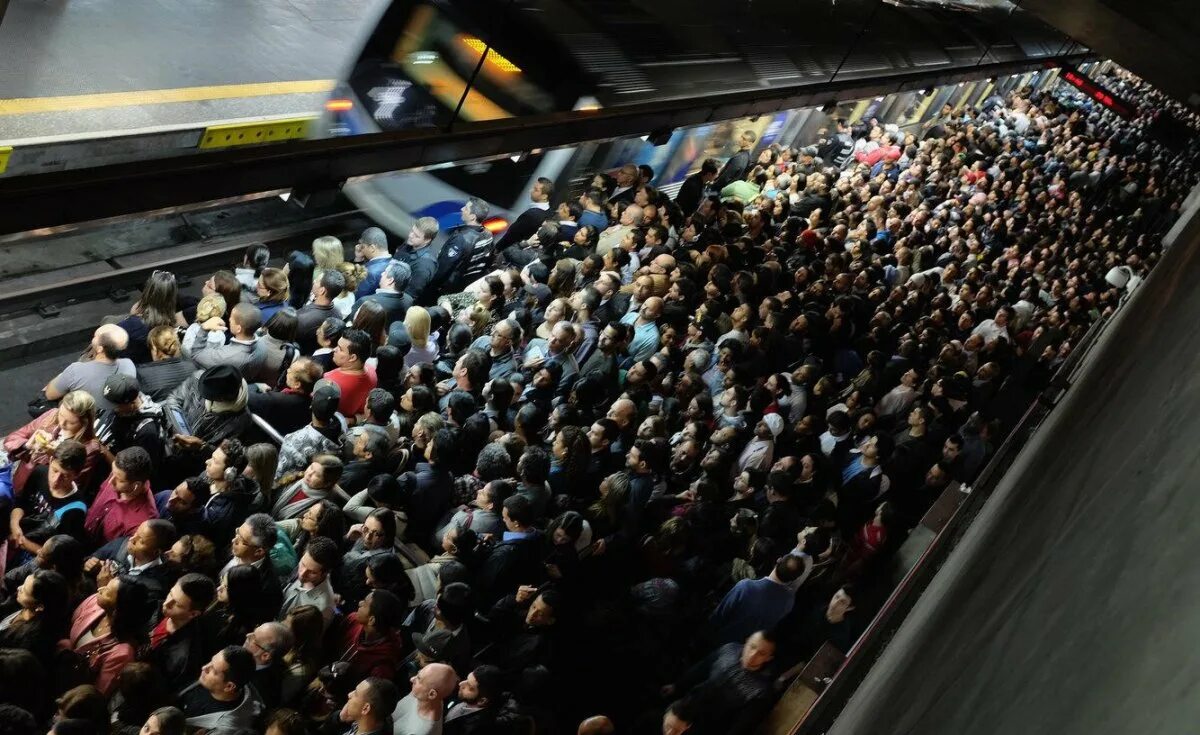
point(380, 658)
point(109, 518)
point(890, 152)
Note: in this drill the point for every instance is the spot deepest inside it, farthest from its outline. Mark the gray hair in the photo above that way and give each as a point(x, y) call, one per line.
point(493, 462)
point(262, 530)
point(478, 207)
point(281, 639)
point(399, 272)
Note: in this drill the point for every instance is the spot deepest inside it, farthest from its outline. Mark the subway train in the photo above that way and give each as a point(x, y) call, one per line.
point(453, 64)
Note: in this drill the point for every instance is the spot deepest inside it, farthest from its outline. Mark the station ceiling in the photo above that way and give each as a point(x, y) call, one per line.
point(1155, 39)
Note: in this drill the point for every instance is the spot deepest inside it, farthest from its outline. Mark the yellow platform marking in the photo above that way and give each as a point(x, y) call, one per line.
point(5, 152)
point(272, 131)
point(74, 103)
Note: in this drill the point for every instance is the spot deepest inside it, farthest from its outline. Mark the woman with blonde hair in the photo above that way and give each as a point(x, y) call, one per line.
point(168, 369)
point(479, 318)
point(354, 274)
point(273, 292)
point(33, 444)
point(327, 253)
point(416, 322)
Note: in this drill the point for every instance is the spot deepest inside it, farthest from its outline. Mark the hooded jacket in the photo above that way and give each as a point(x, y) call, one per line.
point(230, 722)
point(380, 658)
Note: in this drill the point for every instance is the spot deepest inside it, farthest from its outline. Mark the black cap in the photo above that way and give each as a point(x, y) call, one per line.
point(220, 383)
point(120, 389)
point(325, 399)
point(433, 644)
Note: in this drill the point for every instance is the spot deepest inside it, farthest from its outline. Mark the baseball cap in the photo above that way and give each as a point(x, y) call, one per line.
point(220, 383)
point(433, 644)
point(325, 399)
point(120, 388)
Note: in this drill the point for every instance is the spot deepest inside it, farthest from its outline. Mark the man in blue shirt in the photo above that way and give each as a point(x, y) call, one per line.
point(372, 252)
point(757, 604)
point(645, 329)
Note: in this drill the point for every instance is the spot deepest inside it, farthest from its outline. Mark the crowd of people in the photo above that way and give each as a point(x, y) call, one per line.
point(626, 481)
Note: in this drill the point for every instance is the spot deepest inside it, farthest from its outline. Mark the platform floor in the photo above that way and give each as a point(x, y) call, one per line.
point(1072, 606)
point(55, 55)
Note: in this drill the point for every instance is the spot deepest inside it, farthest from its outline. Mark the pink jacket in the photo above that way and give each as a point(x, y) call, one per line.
point(105, 655)
point(109, 518)
point(14, 444)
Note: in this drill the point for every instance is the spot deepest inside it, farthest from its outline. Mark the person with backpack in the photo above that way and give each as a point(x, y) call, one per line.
point(134, 420)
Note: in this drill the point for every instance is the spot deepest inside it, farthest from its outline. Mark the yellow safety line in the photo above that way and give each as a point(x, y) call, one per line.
point(72, 103)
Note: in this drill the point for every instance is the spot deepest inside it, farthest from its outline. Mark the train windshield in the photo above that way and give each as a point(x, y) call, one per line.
point(430, 65)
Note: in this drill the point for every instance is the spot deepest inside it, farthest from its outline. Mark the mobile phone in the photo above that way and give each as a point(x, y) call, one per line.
point(180, 422)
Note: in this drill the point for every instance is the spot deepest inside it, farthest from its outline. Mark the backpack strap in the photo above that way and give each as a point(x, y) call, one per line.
point(73, 505)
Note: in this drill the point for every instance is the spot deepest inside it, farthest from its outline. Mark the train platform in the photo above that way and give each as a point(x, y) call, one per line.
point(1070, 606)
point(80, 68)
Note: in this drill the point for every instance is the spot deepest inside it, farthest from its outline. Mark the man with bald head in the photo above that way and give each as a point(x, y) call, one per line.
point(645, 329)
point(108, 342)
point(598, 725)
point(420, 712)
point(662, 265)
point(631, 218)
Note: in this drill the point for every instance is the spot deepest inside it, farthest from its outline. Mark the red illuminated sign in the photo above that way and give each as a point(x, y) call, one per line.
point(1095, 91)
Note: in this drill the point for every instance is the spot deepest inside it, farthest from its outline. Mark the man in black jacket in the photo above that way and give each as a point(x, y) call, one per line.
point(480, 699)
point(526, 627)
point(739, 163)
point(459, 250)
point(697, 186)
point(268, 644)
point(392, 294)
point(251, 546)
point(525, 225)
point(177, 648)
point(289, 409)
point(418, 255)
point(309, 318)
point(516, 559)
point(140, 556)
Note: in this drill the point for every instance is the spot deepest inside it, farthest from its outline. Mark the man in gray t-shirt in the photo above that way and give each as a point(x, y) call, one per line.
point(420, 712)
point(89, 375)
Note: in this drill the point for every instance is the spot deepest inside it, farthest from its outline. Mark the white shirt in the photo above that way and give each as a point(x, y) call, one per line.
point(407, 721)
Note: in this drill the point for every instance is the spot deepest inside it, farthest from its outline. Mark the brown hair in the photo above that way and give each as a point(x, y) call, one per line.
point(165, 340)
point(227, 285)
point(276, 283)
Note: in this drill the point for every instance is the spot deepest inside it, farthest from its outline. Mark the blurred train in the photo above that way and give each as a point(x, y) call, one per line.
point(451, 64)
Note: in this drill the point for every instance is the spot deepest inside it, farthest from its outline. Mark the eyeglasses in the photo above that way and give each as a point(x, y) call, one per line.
point(168, 274)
